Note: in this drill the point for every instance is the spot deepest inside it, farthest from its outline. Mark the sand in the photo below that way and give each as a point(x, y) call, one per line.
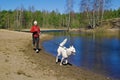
point(18, 61)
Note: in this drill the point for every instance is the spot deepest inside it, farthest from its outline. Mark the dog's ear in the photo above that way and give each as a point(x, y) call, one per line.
point(72, 46)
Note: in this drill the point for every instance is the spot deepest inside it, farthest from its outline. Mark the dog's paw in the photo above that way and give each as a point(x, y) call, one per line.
point(61, 64)
point(56, 62)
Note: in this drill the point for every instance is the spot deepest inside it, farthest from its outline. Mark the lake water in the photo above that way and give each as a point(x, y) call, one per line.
point(98, 53)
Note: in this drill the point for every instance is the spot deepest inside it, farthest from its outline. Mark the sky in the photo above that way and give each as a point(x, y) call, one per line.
point(48, 5)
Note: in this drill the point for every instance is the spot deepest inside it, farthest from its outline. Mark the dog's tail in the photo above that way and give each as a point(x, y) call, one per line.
point(64, 41)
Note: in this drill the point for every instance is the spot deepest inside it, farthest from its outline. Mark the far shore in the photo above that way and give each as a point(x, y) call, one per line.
point(78, 29)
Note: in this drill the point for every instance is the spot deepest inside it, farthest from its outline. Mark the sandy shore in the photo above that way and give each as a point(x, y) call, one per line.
point(18, 61)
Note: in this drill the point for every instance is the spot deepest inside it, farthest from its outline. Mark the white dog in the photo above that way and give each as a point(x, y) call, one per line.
point(65, 52)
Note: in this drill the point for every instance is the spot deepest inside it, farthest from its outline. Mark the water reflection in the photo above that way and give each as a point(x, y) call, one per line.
point(97, 54)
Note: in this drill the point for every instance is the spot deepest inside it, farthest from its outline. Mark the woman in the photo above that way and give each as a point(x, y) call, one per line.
point(35, 30)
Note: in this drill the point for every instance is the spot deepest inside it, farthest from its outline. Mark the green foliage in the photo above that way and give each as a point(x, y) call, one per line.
point(110, 14)
point(18, 19)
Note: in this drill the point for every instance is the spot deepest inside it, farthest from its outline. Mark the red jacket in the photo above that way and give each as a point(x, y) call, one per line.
point(35, 30)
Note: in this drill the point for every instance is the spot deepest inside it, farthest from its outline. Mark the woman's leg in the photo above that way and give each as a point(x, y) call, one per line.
point(33, 41)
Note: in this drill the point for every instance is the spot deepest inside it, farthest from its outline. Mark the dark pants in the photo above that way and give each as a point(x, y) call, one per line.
point(35, 42)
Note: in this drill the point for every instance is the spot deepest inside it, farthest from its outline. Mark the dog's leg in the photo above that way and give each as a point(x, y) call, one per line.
point(58, 56)
point(56, 59)
point(61, 61)
point(66, 61)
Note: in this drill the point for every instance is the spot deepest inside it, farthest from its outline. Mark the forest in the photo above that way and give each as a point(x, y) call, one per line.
point(89, 15)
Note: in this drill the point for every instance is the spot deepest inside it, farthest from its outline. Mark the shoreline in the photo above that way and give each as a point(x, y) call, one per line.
point(20, 62)
point(78, 29)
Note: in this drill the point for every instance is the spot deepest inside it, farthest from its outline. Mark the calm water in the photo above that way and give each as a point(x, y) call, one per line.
point(97, 53)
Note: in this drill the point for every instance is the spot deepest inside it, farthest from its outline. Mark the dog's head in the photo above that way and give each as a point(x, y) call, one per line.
point(72, 49)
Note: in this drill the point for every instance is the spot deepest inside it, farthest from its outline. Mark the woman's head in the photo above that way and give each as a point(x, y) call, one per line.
point(35, 22)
